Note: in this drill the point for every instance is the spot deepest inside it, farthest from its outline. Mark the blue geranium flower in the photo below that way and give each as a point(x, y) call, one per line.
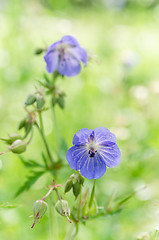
point(65, 56)
point(93, 150)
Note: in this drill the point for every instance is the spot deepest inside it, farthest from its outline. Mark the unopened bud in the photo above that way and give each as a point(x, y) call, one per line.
point(12, 137)
point(22, 124)
point(76, 189)
point(62, 207)
point(68, 185)
point(38, 51)
point(18, 146)
point(80, 179)
point(30, 99)
point(40, 102)
point(39, 210)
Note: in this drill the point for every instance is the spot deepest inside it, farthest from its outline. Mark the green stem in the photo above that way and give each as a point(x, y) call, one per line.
point(79, 205)
point(41, 122)
point(92, 194)
point(72, 232)
point(52, 222)
point(45, 143)
point(56, 127)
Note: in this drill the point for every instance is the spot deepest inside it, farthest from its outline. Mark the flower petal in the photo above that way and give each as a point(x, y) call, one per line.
point(69, 66)
point(104, 137)
point(82, 136)
point(93, 168)
point(76, 156)
point(70, 40)
point(51, 59)
point(79, 53)
point(110, 155)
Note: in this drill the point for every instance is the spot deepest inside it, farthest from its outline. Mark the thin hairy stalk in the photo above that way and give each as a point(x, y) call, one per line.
point(45, 143)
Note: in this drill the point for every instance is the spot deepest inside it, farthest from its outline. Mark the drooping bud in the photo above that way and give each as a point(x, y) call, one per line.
point(76, 189)
point(39, 210)
point(12, 137)
point(40, 102)
point(68, 185)
point(38, 51)
point(80, 179)
point(30, 99)
point(62, 207)
point(18, 146)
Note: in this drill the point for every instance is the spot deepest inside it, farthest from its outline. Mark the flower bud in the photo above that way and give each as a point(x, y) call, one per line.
point(18, 146)
point(76, 189)
point(40, 102)
point(68, 185)
point(63, 209)
point(80, 179)
point(39, 210)
point(12, 137)
point(38, 51)
point(30, 99)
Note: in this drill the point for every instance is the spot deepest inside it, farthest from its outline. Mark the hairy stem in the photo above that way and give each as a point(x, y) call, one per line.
point(45, 143)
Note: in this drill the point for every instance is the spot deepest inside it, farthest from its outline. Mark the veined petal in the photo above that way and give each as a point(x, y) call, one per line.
point(69, 66)
point(110, 155)
point(93, 168)
point(51, 59)
point(70, 40)
point(79, 53)
point(82, 136)
point(76, 156)
point(104, 137)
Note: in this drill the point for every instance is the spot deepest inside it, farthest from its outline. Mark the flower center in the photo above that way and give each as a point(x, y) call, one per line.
point(92, 145)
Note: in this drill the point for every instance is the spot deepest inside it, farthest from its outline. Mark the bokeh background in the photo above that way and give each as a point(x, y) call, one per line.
point(119, 90)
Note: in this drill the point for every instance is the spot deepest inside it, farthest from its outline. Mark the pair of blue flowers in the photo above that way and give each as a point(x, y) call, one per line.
point(93, 150)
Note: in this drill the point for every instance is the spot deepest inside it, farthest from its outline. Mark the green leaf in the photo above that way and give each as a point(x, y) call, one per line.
point(45, 160)
point(7, 205)
point(124, 200)
point(46, 78)
point(29, 182)
point(31, 163)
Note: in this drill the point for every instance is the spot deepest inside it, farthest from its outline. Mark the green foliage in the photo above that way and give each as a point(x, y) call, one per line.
point(29, 182)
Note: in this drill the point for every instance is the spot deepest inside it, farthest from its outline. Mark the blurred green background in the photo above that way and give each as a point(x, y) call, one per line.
point(119, 90)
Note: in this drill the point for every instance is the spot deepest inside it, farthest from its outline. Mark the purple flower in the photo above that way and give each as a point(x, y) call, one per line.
point(93, 150)
point(65, 56)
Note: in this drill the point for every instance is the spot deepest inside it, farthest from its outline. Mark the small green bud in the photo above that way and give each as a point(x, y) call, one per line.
point(76, 189)
point(22, 124)
point(40, 102)
point(38, 51)
point(18, 146)
point(14, 136)
point(30, 99)
point(62, 207)
point(68, 185)
point(39, 210)
point(80, 179)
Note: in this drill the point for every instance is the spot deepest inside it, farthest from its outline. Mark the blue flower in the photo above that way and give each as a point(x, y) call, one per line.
point(65, 56)
point(93, 150)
